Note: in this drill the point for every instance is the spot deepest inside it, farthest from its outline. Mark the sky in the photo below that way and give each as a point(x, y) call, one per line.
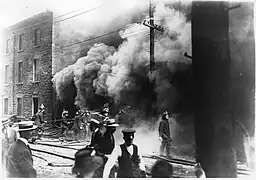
point(13, 11)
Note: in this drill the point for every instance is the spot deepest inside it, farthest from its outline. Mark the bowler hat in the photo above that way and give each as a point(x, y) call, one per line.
point(129, 131)
point(25, 126)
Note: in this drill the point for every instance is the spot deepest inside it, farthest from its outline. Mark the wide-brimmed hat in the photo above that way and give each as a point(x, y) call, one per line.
point(94, 121)
point(6, 121)
point(111, 123)
point(25, 126)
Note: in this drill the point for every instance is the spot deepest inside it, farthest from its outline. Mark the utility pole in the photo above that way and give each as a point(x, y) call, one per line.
point(152, 37)
point(150, 23)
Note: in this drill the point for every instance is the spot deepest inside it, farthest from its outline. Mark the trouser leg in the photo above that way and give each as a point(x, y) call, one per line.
point(167, 149)
point(162, 148)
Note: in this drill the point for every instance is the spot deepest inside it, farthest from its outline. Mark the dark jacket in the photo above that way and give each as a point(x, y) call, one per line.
point(19, 161)
point(103, 143)
point(164, 130)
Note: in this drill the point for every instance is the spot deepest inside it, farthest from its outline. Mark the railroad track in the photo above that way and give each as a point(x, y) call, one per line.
point(240, 171)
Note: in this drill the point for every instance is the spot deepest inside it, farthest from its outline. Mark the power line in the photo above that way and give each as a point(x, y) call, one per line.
point(140, 33)
point(89, 39)
point(17, 29)
point(78, 14)
point(68, 13)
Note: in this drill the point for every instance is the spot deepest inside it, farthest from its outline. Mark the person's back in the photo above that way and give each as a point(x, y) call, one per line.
point(87, 164)
point(18, 156)
point(161, 169)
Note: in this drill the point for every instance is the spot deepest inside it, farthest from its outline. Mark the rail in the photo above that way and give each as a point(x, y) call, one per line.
point(240, 171)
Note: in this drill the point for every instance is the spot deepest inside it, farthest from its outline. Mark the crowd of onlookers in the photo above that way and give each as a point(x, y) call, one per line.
point(100, 158)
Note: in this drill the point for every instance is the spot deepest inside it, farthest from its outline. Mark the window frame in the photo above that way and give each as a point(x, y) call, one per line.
point(35, 70)
point(7, 46)
point(21, 98)
point(4, 113)
point(21, 42)
point(20, 74)
point(6, 74)
point(33, 112)
point(35, 44)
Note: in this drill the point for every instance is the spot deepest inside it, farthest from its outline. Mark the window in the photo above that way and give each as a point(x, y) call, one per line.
point(19, 106)
point(34, 105)
point(5, 106)
point(6, 77)
point(21, 42)
point(37, 37)
point(20, 72)
point(8, 47)
point(35, 69)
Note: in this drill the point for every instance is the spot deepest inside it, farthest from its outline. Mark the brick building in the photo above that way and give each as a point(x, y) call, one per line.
point(28, 66)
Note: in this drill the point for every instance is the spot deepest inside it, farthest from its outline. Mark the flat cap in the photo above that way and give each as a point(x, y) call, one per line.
point(128, 131)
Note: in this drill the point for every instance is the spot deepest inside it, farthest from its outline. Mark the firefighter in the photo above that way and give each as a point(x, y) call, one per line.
point(78, 124)
point(64, 123)
point(105, 112)
point(164, 134)
point(108, 142)
point(95, 129)
point(130, 162)
point(39, 122)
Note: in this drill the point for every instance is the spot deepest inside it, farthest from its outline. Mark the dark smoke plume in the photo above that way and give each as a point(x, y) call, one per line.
point(122, 74)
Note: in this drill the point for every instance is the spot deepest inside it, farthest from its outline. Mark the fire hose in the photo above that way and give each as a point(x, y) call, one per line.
point(54, 154)
point(53, 164)
point(52, 145)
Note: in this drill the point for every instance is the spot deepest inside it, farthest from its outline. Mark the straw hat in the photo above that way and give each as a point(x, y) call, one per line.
point(25, 126)
point(94, 121)
point(111, 123)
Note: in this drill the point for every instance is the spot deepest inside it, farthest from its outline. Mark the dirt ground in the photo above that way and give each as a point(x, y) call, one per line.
point(43, 162)
point(46, 164)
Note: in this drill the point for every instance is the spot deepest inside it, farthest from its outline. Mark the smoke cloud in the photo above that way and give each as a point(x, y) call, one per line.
point(122, 73)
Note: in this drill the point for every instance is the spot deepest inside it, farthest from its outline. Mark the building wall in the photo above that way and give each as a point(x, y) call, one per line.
point(43, 52)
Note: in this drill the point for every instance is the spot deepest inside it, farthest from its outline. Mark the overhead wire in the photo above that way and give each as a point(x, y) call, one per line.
point(140, 33)
point(55, 22)
point(68, 13)
point(92, 38)
point(78, 14)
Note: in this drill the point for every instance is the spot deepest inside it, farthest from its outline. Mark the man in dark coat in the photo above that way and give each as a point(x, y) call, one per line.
point(19, 158)
point(130, 162)
point(94, 126)
point(106, 142)
point(164, 134)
